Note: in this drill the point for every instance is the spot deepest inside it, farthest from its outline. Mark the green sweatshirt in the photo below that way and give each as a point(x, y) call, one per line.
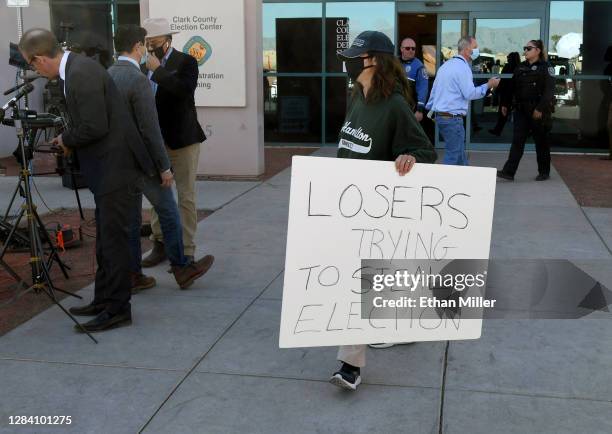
point(383, 131)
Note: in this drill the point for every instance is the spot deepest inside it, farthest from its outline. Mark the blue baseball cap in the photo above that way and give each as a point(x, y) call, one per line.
point(367, 41)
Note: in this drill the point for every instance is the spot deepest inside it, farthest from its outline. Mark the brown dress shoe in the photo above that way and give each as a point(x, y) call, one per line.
point(187, 274)
point(157, 255)
point(140, 282)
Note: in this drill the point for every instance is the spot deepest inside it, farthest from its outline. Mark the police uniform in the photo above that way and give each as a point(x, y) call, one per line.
point(416, 73)
point(531, 88)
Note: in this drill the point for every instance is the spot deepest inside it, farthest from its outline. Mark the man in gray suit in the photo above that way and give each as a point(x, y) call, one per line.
point(136, 90)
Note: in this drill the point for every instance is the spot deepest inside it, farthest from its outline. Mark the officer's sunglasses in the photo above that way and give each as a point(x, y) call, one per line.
point(409, 48)
point(528, 48)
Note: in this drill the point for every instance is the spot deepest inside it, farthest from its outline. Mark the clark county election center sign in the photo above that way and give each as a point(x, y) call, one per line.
point(343, 212)
point(214, 33)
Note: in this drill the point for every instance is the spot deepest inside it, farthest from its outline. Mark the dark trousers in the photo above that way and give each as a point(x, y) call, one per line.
point(113, 284)
point(524, 125)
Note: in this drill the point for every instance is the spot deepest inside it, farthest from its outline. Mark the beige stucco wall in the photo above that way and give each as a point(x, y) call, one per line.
point(235, 143)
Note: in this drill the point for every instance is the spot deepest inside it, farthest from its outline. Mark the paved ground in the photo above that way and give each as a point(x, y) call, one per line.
point(211, 195)
point(207, 360)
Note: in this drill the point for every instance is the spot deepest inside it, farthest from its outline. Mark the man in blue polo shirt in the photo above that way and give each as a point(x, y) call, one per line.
point(452, 91)
point(416, 73)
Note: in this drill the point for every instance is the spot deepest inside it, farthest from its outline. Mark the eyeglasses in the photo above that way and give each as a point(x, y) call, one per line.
point(409, 48)
point(528, 48)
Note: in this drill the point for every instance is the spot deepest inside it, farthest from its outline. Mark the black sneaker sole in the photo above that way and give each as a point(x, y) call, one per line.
point(337, 380)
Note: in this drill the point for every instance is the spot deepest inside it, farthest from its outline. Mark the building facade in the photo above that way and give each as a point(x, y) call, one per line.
point(297, 90)
point(305, 92)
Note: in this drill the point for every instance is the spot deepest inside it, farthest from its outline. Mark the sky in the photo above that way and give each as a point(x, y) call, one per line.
point(572, 10)
point(361, 15)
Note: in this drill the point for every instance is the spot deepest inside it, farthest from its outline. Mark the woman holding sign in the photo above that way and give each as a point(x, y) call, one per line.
point(379, 125)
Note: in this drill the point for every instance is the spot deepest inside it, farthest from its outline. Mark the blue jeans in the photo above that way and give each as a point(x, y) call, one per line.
point(453, 133)
point(164, 204)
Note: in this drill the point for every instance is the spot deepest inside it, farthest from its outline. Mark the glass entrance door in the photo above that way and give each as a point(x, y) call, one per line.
point(499, 32)
point(450, 29)
point(500, 41)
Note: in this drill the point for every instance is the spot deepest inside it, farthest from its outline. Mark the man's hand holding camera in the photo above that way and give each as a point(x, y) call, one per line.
point(57, 141)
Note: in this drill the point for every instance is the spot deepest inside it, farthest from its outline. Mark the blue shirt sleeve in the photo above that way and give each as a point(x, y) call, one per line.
point(431, 98)
point(467, 88)
point(422, 85)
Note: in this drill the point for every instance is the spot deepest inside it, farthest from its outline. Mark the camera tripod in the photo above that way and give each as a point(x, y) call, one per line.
point(41, 277)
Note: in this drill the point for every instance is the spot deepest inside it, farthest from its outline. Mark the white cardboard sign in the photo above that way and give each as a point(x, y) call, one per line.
point(214, 33)
point(342, 211)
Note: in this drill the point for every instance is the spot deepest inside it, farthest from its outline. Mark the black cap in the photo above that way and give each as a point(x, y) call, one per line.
point(367, 41)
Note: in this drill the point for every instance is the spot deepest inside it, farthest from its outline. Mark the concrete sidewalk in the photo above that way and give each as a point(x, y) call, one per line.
point(207, 360)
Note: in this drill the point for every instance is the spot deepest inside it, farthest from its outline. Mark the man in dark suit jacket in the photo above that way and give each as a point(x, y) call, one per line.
point(112, 158)
point(174, 78)
point(136, 90)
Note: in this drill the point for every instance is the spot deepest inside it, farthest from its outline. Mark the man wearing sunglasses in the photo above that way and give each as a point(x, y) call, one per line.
point(416, 73)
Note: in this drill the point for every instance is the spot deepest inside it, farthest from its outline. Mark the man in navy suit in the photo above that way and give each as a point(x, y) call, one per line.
point(112, 158)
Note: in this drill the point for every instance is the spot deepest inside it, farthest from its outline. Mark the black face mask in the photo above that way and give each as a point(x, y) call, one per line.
point(159, 52)
point(354, 67)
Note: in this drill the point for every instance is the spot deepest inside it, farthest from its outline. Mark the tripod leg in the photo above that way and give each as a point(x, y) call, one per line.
point(54, 300)
point(8, 209)
point(63, 291)
point(13, 274)
point(45, 267)
point(53, 255)
point(42, 281)
point(76, 192)
point(11, 233)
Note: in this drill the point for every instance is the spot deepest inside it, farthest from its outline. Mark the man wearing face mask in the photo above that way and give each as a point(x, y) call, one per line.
point(136, 90)
point(174, 76)
point(452, 91)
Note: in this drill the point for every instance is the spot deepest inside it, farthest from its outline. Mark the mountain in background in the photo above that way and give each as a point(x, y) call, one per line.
point(489, 39)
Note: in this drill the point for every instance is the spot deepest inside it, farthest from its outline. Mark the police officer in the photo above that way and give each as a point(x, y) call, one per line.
point(416, 73)
point(532, 88)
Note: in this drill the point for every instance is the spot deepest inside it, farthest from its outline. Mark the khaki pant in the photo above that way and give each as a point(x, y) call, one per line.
point(353, 355)
point(185, 164)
